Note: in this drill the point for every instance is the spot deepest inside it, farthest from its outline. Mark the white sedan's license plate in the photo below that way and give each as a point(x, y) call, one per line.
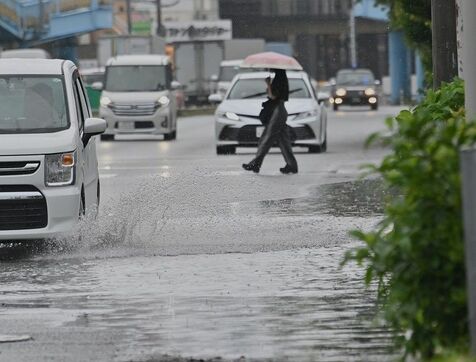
point(259, 131)
point(126, 125)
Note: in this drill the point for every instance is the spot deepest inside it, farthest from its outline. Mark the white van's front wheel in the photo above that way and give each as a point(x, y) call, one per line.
point(82, 208)
point(170, 136)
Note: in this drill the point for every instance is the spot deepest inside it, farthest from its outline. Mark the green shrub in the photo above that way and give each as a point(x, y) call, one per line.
point(416, 254)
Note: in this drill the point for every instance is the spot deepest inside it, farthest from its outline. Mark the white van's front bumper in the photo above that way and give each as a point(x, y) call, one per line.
point(156, 124)
point(24, 200)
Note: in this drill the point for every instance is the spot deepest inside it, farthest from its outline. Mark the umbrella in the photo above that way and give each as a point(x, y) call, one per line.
point(271, 60)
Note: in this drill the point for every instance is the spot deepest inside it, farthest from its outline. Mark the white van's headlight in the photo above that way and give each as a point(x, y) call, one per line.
point(60, 169)
point(164, 101)
point(105, 101)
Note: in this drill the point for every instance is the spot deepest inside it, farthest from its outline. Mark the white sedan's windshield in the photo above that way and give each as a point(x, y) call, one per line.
point(30, 104)
point(256, 88)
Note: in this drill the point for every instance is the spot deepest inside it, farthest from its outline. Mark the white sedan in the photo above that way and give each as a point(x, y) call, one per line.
point(237, 123)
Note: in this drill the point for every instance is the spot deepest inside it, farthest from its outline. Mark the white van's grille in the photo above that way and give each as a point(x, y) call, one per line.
point(18, 168)
point(145, 109)
point(22, 207)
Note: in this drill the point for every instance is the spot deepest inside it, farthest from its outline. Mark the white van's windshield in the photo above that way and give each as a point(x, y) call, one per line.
point(136, 78)
point(32, 104)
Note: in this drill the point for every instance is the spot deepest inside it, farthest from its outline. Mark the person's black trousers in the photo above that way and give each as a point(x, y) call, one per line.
point(275, 133)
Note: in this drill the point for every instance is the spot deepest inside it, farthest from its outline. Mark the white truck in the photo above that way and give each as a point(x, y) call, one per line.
point(197, 64)
point(112, 46)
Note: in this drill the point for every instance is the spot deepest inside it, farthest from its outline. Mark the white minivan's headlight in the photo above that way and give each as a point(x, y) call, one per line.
point(60, 169)
point(164, 101)
point(105, 101)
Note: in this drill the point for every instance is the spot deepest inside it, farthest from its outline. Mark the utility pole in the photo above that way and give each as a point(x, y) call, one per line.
point(160, 30)
point(353, 41)
point(445, 51)
point(468, 162)
point(459, 36)
point(129, 17)
point(41, 22)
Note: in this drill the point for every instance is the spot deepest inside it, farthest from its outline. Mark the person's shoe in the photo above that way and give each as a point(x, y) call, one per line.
point(288, 170)
point(251, 167)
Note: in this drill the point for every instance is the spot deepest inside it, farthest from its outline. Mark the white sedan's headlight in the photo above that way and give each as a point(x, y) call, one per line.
point(60, 169)
point(105, 101)
point(230, 116)
point(308, 114)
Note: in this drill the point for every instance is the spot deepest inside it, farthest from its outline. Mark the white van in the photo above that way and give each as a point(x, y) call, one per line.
point(48, 164)
point(138, 97)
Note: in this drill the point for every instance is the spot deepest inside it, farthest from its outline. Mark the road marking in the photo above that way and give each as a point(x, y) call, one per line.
point(107, 175)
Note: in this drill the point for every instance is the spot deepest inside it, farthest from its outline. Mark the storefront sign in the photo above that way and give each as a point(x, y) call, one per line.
point(198, 31)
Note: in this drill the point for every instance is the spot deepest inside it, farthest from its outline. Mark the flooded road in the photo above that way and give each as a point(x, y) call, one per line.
point(191, 257)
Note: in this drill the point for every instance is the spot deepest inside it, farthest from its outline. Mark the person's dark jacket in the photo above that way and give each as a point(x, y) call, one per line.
point(266, 111)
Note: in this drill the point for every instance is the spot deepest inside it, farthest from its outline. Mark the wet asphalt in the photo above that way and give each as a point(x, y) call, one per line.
point(193, 258)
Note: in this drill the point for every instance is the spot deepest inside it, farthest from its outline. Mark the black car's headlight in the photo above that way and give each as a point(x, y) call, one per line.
point(370, 92)
point(60, 169)
point(341, 92)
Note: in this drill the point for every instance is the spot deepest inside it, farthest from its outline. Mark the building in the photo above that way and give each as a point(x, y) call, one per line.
point(318, 30)
point(33, 23)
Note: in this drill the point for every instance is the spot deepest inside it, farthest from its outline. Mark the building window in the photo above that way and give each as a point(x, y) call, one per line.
point(302, 7)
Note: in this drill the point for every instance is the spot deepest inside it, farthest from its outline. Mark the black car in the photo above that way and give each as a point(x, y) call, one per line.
point(354, 87)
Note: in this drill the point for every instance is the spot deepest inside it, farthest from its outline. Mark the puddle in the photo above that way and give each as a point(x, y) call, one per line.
point(258, 278)
point(167, 222)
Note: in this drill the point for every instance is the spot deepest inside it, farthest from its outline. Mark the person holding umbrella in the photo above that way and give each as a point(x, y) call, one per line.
point(274, 116)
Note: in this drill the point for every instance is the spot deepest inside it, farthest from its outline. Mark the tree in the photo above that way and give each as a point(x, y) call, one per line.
point(413, 17)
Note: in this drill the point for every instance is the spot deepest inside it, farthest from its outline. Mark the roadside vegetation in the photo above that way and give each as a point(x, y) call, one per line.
point(416, 254)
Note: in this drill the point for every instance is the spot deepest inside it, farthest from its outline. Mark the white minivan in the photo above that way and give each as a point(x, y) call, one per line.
point(138, 97)
point(48, 164)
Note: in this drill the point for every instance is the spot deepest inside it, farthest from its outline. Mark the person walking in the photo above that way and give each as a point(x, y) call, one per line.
point(274, 116)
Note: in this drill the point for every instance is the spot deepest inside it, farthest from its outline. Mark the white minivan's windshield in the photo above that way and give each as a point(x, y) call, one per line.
point(136, 78)
point(32, 104)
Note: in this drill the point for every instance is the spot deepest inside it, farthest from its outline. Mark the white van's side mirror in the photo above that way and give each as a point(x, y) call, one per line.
point(215, 98)
point(93, 127)
point(175, 85)
point(97, 86)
